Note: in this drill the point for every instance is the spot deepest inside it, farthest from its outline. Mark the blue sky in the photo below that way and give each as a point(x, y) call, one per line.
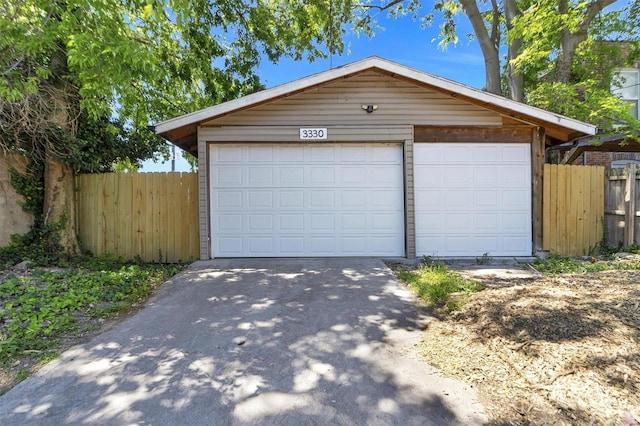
point(401, 41)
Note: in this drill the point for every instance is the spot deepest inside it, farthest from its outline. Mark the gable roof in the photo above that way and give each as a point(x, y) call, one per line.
point(182, 130)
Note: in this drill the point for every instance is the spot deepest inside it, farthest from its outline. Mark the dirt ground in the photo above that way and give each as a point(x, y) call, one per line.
point(545, 350)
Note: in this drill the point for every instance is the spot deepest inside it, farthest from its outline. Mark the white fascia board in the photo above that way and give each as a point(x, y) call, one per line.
point(484, 98)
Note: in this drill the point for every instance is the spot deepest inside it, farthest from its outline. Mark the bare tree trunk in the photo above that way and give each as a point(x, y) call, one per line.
point(488, 44)
point(515, 80)
point(569, 41)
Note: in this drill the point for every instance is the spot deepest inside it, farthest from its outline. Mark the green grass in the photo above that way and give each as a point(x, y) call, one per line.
point(37, 310)
point(439, 286)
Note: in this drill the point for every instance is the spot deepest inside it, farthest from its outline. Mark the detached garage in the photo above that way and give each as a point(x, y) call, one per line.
point(370, 159)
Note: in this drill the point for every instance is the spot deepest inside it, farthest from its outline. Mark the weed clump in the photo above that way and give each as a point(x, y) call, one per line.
point(439, 286)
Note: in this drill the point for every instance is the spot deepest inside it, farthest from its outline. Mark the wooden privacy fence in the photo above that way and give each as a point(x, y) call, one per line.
point(573, 208)
point(622, 205)
point(150, 215)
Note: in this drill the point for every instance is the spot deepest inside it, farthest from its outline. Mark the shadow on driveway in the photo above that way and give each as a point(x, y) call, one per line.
point(262, 341)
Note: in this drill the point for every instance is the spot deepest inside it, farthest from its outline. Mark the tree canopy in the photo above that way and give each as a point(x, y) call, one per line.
point(557, 54)
point(72, 67)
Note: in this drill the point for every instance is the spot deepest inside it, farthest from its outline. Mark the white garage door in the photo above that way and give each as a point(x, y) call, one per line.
point(472, 199)
point(307, 200)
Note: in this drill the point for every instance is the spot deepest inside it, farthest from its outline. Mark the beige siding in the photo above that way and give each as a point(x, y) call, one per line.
point(292, 134)
point(340, 104)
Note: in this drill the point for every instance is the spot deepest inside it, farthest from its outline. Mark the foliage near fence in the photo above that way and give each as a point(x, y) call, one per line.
point(153, 216)
point(622, 206)
point(573, 208)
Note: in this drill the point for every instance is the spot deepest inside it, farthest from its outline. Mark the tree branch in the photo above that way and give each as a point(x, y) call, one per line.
point(381, 8)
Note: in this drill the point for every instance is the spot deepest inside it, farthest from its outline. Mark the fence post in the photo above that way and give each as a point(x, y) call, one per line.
point(630, 205)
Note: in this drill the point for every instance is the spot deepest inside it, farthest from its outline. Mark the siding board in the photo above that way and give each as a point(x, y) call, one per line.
point(340, 103)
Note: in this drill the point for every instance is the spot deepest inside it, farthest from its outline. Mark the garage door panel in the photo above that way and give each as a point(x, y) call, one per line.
point(354, 154)
point(385, 176)
point(486, 176)
point(385, 199)
point(260, 177)
point(322, 199)
point(382, 153)
point(515, 221)
point(458, 223)
point(290, 176)
point(291, 222)
point(322, 222)
point(454, 200)
point(486, 222)
point(513, 243)
point(486, 201)
point(426, 200)
point(290, 199)
point(429, 177)
point(485, 154)
point(428, 223)
point(228, 222)
point(233, 245)
point(227, 199)
point(353, 199)
point(458, 177)
point(259, 223)
point(260, 199)
point(228, 177)
point(353, 245)
point(291, 246)
point(517, 153)
point(486, 244)
point(321, 154)
point(322, 176)
point(228, 154)
point(352, 175)
point(322, 245)
point(515, 199)
point(458, 154)
point(260, 246)
point(352, 222)
point(473, 198)
point(326, 204)
point(514, 176)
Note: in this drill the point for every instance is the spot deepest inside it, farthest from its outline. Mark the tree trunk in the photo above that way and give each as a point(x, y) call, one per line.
point(59, 201)
point(569, 41)
point(515, 80)
point(59, 195)
point(488, 45)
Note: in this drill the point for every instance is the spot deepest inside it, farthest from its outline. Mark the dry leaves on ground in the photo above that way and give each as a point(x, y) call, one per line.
point(553, 350)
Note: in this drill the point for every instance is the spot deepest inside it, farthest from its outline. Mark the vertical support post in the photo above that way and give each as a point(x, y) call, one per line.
point(537, 173)
point(203, 198)
point(409, 203)
point(630, 206)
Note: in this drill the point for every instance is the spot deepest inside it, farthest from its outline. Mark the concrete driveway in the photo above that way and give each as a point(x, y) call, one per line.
point(265, 341)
